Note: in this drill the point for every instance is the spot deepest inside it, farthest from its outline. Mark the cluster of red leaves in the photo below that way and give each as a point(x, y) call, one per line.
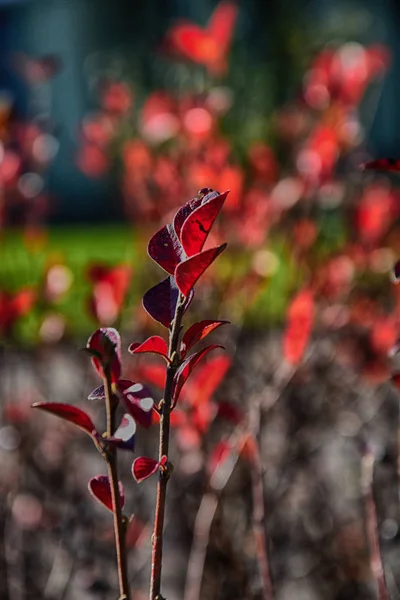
point(27, 148)
point(177, 248)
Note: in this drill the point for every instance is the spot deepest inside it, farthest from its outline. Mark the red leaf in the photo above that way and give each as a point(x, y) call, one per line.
point(206, 379)
point(106, 344)
point(197, 332)
point(222, 22)
point(70, 413)
point(383, 164)
point(198, 224)
point(203, 195)
point(143, 467)
point(186, 369)
point(100, 488)
point(300, 317)
point(154, 374)
point(207, 46)
point(153, 345)
point(190, 270)
point(165, 249)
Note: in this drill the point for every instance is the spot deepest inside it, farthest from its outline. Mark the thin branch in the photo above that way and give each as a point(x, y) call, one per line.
point(119, 520)
point(157, 540)
point(205, 517)
point(258, 504)
point(375, 557)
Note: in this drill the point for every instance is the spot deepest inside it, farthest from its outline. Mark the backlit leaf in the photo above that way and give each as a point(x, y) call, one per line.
point(100, 488)
point(143, 467)
point(189, 271)
point(154, 345)
point(105, 343)
point(198, 224)
point(186, 369)
point(70, 413)
point(197, 332)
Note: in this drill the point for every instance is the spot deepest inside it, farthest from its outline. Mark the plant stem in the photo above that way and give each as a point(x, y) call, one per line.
point(119, 525)
point(375, 559)
point(157, 539)
point(258, 504)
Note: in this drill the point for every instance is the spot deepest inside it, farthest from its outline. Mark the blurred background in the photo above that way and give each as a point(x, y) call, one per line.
point(113, 114)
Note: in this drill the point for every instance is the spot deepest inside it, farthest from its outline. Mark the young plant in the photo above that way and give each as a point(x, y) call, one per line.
point(178, 249)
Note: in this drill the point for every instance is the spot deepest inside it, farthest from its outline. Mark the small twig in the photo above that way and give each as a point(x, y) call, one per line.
point(376, 564)
point(204, 519)
point(157, 539)
point(258, 504)
point(119, 523)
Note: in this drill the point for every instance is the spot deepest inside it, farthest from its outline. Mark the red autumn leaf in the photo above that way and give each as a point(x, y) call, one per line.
point(206, 379)
point(198, 224)
point(70, 413)
point(143, 467)
point(208, 46)
point(383, 164)
point(154, 374)
point(110, 285)
point(105, 344)
point(197, 332)
point(100, 489)
point(153, 345)
point(186, 369)
point(204, 195)
point(165, 249)
point(300, 318)
point(189, 271)
point(222, 22)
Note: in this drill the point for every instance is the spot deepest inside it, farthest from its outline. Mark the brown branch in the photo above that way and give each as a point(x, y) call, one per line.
point(157, 539)
point(205, 517)
point(375, 557)
point(258, 502)
point(110, 458)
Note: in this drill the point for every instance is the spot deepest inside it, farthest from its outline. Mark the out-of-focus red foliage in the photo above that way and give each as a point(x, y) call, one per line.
point(300, 318)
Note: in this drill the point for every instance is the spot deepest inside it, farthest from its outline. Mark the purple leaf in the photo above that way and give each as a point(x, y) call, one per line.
point(160, 301)
point(139, 403)
point(165, 249)
point(100, 394)
point(124, 436)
